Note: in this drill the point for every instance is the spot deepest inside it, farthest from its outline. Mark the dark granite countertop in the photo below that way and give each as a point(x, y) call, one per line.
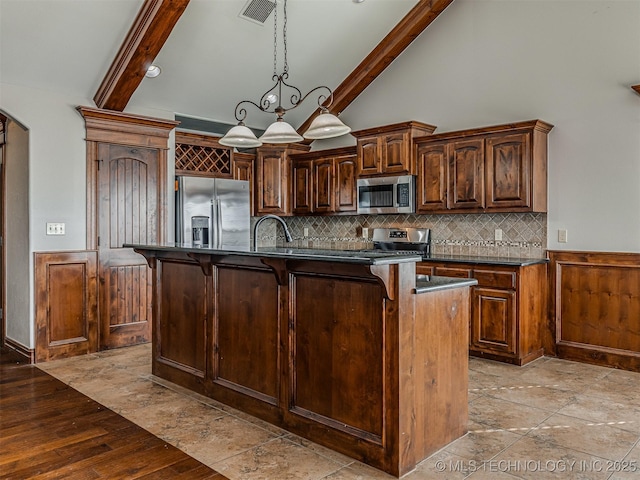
point(479, 260)
point(344, 256)
point(431, 283)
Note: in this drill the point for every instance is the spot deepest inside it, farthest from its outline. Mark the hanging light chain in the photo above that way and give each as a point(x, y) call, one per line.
point(275, 39)
point(293, 93)
point(284, 38)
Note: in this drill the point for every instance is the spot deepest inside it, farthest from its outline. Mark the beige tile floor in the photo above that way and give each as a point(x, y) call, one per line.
point(550, 419)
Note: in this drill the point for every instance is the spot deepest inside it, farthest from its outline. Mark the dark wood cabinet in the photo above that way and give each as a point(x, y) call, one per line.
point(324, 190)
point(432, 171)
point(180, 349)
point(387, 150)
point(273, 168)
point(324, 182)
point(302, 186)
point(508, 308)
point(450, 175)
point(509, 172)
point(493, 318)
point(466, 174)
point(246, 365)
point(499, 169)
point(243, 164)
point(368, 156)
point(346, 198)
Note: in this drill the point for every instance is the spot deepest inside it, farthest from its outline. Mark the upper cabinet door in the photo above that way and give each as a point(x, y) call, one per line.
point(243, 170)
point(323, 194)
point(508, 167)
point(272, 170)
point(432, 164)
point(466, 174)
point(369, 156)
point(302, 187)
point(346, 195)
point(395, 153)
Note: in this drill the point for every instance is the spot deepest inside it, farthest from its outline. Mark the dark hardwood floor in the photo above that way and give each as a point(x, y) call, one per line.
point(50, 431)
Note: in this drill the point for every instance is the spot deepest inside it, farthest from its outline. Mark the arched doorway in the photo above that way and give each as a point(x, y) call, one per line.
point(15, 256)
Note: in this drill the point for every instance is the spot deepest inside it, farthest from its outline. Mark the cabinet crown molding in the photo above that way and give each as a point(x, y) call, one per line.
point(403, 126)
point(538, 125)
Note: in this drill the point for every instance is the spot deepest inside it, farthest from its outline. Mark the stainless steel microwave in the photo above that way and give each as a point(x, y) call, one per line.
point(396, 194)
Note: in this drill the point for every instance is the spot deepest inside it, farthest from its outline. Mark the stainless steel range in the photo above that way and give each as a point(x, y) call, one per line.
point(403, 240)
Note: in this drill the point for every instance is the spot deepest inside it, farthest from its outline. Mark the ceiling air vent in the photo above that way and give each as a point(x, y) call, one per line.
point(257, 11)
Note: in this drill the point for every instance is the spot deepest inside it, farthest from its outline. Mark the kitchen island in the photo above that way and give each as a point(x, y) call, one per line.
point(348, 349)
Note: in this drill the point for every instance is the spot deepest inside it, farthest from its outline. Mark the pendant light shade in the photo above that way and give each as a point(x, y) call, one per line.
point(240, 136)
point(326, 125)
point(280, 132)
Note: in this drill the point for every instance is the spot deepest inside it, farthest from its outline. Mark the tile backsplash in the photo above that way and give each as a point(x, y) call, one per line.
point(523, 234)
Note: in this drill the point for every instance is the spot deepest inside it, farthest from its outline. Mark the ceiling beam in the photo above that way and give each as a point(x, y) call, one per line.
point(636, 88)
point(391, 46)
point(147, 35)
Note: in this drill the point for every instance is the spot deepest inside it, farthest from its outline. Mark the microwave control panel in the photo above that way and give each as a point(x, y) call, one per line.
point(403, 195)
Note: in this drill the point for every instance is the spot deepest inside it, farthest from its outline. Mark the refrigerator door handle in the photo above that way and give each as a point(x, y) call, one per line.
point(219, 224)
point(213, 241)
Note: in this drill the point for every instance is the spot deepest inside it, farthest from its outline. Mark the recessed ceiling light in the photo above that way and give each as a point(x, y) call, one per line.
point(358, 1)
point(153, 71)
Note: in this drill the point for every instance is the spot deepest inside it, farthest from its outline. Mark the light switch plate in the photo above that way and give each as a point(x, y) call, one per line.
point(55, 228)
point(365, 232)
point(497, 235)
point(562, 236)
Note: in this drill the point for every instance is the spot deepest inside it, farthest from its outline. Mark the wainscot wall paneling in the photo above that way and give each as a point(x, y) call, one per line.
point(66, 286)
point(595, 301)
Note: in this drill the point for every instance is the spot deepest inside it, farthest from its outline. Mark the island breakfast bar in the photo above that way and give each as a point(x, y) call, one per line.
point(348, 349)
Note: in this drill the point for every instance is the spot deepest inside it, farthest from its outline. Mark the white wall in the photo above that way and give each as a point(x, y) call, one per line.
point(568, 62)
point(16, 242)
point(57, 164)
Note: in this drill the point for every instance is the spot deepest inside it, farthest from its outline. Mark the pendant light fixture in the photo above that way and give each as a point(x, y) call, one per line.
point(325, 125)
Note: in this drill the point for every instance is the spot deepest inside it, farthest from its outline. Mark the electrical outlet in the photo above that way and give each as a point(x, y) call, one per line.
point(306, 231)
point(55, 228)
point(562, 236)
point(497, 235)
point(365, 232)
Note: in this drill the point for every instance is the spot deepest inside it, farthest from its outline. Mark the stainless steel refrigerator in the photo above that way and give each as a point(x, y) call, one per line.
point(212, 212)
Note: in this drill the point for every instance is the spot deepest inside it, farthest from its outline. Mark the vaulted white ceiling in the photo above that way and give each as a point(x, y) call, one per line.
point(212, 59)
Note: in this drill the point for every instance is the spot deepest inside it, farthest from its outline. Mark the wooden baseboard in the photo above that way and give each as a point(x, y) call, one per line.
point(19, 351)
point(513, 359)
point(602, 356)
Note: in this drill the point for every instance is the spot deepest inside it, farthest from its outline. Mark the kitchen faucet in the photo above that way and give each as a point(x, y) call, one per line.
point(287, 235)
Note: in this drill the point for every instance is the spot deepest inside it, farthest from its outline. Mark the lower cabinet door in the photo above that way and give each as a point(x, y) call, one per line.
point(493, 320)
point(246, 343)
point(338, 355)
point(180, 328)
